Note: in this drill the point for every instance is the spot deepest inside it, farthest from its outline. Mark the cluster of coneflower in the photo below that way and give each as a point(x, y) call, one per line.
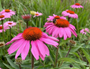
point(57, 26)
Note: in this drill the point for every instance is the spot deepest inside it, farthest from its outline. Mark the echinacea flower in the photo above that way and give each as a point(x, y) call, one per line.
point(76, 5)
point(4, 27)
point(84, 31)
point(37, 14)
point(26, 17)
point(8, 12)
point(10, 23)
point(55, 17)
point(69, 13)
point(60, 28)
point(3, 16)
point(36, 38)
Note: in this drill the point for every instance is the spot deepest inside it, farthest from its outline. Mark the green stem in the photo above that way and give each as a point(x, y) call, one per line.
point(32, 62)
point(57, 54)
point(66, 55)
point(68, 51)
point(36, 22)
point(68, 18)
point(27, 24)
point(19, 66)
point(2, 30)
point(10, 33)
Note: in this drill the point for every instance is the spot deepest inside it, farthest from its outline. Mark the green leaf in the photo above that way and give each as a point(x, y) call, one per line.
point(8, 66)
point(86, 55)
point(12, 64)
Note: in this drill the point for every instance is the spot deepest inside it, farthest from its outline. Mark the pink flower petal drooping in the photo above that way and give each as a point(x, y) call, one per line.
point(10, 23)
point(69, 13)
point(3, 28)
point(84, 31)
point(76, 5)
point(36, 38)
point(60, 28)
point(37, 14)
point(8, 12)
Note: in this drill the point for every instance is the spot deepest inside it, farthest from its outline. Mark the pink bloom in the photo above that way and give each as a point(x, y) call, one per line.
point(77, 5)
point(69, 13)
point(36, 38)
point(8, 12)
point(37, 14)
point(26, 17)
point(84, 31)
point(61, 28)
point(5, 28)
point(0, 68)
point(55, 17)
point(10, 23)
point(3, 16)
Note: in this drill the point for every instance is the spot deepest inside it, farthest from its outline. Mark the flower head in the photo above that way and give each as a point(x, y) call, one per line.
point(10, 23)
point(69, 13)
point(37, 14)
point(26, 17)
point(36, 38)
point(8, 12)
point(3, 16)
point(84, 31)
point(4, 27)
point(60, 28)
point(76, 5)
point(55, 17)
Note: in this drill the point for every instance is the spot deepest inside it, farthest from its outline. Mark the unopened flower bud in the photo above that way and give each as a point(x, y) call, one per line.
point(18, 61)
point(71, 42)
point(2, 44)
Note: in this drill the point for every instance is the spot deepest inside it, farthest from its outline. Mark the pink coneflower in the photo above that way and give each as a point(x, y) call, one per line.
point(61, 28)
point(5, 28)
point(37, 39)
point(84, 31)
point(8, 12)
point(3, 16)
point(26, 17)
point(55, 17)
point(10, 23)
point(76, 5)
point(69, 13)
point(37, 14)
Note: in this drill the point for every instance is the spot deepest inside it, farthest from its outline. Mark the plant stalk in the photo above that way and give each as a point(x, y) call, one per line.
point(19, 66)
point(57, 54)
point(32, 62)
point(68, 51)
point(2, 30)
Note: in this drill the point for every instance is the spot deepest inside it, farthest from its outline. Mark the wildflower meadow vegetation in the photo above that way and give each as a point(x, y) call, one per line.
point(44, 34)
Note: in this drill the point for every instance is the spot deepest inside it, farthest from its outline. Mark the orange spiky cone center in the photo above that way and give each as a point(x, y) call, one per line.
point(36, 14)
point(1, 16)
point(1, 27)
point(32, 33)
point(7, 10)
point(57, 17)
point(61, 23)
point(77, 4)
point(9, 23)
point(71, 12)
